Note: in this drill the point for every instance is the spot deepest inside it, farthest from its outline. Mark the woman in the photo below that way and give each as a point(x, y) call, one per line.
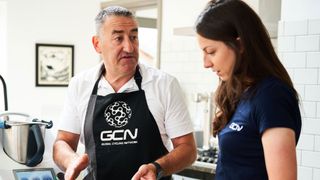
point(258, 119)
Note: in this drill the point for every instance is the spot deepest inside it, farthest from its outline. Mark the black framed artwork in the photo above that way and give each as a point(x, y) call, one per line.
point(54, 64)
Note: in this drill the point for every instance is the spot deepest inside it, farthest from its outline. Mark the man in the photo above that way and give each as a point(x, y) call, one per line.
point(128, 115)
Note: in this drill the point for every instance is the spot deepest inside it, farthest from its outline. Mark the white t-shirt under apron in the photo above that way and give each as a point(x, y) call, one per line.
point(163, 94)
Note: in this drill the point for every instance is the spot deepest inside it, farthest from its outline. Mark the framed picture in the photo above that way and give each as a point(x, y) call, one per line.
point(54, 64)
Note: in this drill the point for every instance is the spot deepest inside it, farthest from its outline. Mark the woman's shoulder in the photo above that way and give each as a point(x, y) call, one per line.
point(272, 89)
point(272, 85)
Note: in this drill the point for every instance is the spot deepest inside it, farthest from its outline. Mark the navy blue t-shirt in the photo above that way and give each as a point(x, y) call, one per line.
point(241, 153)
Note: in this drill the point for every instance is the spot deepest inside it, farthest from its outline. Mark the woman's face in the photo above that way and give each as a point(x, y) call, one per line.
point(217, 56)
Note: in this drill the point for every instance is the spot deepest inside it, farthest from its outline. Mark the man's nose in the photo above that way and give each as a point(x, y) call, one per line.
point(128, 45)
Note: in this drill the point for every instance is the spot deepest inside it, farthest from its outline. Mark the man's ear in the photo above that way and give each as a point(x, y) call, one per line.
point(240, 44)
point(96, 43)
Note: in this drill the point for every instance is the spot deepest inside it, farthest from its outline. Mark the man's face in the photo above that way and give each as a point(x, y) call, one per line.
point(118, 45)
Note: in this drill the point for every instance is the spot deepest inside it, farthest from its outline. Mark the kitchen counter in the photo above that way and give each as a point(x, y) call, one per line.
point(6, 175)
point(203, 167)
point(199, 170)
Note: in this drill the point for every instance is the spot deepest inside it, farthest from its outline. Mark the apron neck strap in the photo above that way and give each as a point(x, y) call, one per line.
point(137, 78)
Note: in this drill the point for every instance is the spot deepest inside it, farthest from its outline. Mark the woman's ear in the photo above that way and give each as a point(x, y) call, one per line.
point(96, 43)
point(240, 44)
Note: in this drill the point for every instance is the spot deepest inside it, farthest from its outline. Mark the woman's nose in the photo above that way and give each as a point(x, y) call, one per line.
point(206, 62)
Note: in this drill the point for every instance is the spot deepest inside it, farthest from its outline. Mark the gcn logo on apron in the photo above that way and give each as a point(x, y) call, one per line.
point(117, 115)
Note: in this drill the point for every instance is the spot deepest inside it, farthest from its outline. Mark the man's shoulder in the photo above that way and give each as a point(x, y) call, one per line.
point(153, 74)
point(86, 77)
point(89, 74)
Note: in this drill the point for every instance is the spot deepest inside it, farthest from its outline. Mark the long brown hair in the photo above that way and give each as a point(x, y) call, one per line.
point(227, 20)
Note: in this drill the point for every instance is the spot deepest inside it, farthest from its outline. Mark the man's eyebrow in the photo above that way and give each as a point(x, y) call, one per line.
point(122, 31)
point(134, 30)
point(117, 31)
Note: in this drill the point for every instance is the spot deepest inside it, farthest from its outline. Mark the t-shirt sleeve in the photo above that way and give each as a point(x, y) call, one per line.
point(177, 117)
point(69, 119)
point(276, 106)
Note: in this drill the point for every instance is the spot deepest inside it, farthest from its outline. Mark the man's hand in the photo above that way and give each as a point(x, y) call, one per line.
point(78, 164)
point(145, 172)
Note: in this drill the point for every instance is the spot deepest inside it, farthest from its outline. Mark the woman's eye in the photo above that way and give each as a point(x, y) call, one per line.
point(211, 52)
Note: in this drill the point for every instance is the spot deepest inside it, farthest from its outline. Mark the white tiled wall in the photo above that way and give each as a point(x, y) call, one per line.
point(182, 58)
point(299, 51)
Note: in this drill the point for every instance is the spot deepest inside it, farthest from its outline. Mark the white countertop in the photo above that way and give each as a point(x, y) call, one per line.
point(203, 167)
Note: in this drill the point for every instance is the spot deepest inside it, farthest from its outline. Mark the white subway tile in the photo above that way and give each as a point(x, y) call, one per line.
point(308, 43)
point(193, 67)
point(311, 126)
point(177, 45)
point(312, 92)
point(182, 57)
point(190, 44)
point(318, 109)
point(291, 73)
point(300, 90)
point(196, 56)
point(317, 143)
point(286, 43)
point(280, 56)
point(208, 87)
point(310, 158)
point(295, 28)
point(302, 111)
point(192, 78)
point(164, 57)
point(314, 26)
point(306, 142)
point(316, 174)
point(294, 60)
point(171, 67)
point(281, 28)
point(274, 43)
point(304, 173)
point(298, 155)
point(309, 109)
point(313, 59)
point(306, 76)
point(166, 46)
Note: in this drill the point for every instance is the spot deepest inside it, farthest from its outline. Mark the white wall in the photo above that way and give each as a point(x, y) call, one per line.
point(38, 21)
point(292, 10)
point(299, 50)
point(43, 21)
point(3, 52)
point(181, 56)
